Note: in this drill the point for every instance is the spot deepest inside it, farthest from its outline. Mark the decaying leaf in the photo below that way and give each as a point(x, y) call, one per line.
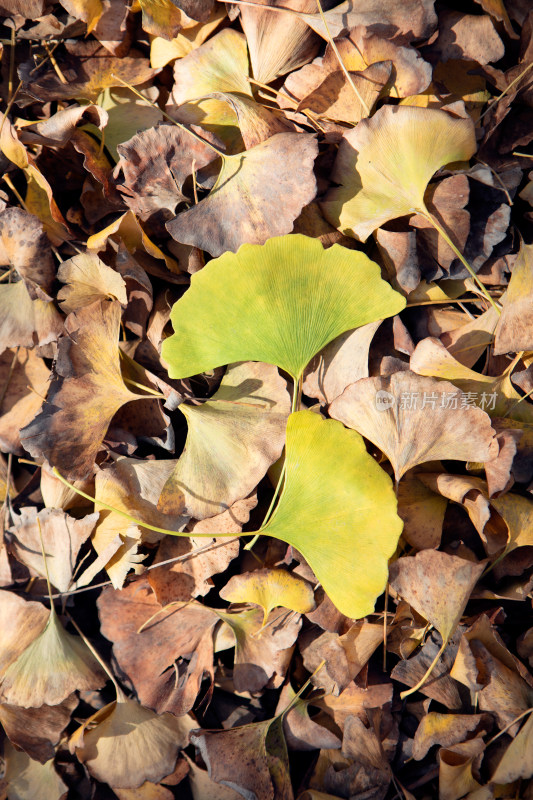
point(243, 206)
point(37, 731)
point(87, 390)
point(24, 377)
point(268, 305)
point(415, 420)
point(124, 744)
point(513, 331)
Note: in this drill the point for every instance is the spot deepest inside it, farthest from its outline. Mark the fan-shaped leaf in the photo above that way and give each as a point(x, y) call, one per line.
point(384, 165)
point(280, 303)
point(338, 509)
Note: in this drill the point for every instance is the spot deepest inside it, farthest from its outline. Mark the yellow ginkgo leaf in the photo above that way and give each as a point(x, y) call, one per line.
point(270, 588)
point(385, 163)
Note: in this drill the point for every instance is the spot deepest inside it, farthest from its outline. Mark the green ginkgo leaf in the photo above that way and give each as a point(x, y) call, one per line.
point(280, 302)
point(338, 509)
point(385, 163)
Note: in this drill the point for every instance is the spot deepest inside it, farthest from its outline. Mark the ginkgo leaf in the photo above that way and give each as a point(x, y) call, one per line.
point(244, 205)
point(27, 779)
point(338, 509)
point(262, 651)
point(53, 666)
point(278, 43)
point(88, 279)
point(125, 744)
point(219, 65)
point(86, 392)
point(385, 163)
point(423, 579)
point(20, 370)
point(495, 394)
point(270, 588)
point(232, 440)
point(62, 537)
point(414, 420)
point(247, 306)
point(517, 759)
point(513, 331)
point(132, 486)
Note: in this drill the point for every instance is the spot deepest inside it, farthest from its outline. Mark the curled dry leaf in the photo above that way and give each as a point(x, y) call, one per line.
point(513, 331)
point(86, 391)
point(54, 665)
point(278, 43)
point(27, 778)
point(57, 130)
point(88, 280)
point(24, 377)
point(37, 731)
point(124, 744)
point(155, 165)
point(432, 658)
point(384, 165)
point(340, 363)
point(270, 588)
point(62, 538)
point(244, 205)
point(422, 581)
point(386, 411)
point(132, 486)
point(342, 287)
point(232, 439)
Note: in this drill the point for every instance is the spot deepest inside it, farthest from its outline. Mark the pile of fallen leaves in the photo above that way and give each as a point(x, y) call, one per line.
point(266, 433)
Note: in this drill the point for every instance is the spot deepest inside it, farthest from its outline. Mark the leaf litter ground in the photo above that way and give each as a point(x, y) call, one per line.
point(266, 429)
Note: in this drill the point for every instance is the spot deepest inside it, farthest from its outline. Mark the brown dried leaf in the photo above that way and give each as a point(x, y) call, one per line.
point(192, 576)
point(386, 411)
point(155, 165)
point(447, 730)
point(513, 331)
point(263, 650)
point(422, 581)
point(244, 205)
point(62, 538)
point(178, 632)
point(124, 744)
point(24, 378)
point(37, 730)
point(89, 279)
point(86, 391)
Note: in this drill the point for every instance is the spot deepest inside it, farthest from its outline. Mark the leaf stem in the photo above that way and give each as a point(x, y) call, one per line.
point(430, 218)
point(428, 672)
point(129, 517)
point(339, 59)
